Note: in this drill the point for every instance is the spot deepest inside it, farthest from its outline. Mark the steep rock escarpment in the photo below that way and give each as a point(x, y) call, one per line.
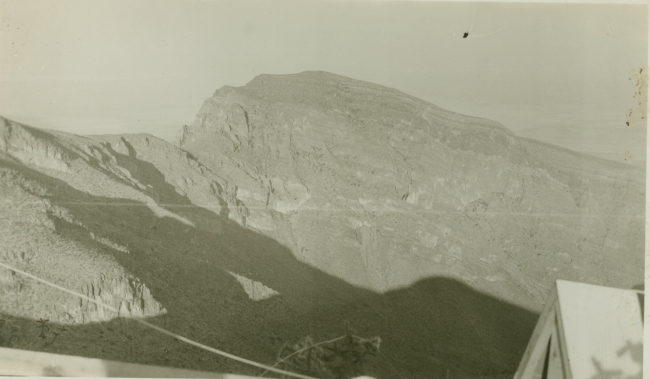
point(25, 145)
point(382, 189)
point(130, 297)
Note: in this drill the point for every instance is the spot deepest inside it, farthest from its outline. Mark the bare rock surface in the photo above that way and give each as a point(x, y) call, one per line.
point(256, 291)
point(382, 189)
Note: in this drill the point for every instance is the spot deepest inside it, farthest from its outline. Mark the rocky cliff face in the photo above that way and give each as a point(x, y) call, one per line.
point(382, 189)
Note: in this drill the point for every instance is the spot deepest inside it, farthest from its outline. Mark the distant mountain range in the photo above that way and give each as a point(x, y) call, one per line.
point(299, 201)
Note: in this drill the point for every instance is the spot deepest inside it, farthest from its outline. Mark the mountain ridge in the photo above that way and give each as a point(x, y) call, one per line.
point(298, 202)
point(261, 128)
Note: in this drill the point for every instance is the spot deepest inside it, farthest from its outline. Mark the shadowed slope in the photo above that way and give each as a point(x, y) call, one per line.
point(435, 325)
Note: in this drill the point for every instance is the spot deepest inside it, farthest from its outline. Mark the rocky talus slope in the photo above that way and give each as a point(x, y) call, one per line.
point(298, 202)
point(29, 241)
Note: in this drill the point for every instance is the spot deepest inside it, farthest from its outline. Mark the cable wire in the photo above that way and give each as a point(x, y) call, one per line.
point(164, 331)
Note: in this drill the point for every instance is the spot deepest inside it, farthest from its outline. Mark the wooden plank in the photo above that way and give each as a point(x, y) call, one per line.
point(562, 345)
point(556, 369)
point(14, 362)
point(538, 343)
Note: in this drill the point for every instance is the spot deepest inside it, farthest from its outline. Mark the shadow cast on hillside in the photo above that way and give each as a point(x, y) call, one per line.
point(160, 190)
point(437, 327)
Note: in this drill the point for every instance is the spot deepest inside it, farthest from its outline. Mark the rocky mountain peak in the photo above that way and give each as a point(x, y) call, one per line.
point(402, 183)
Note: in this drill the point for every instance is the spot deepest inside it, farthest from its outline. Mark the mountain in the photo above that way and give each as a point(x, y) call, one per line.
point(298, 202)
point(382, 189)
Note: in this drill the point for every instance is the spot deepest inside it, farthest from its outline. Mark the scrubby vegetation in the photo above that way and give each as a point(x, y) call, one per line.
point(48, 334)
point(12, 335)
point(9, 333)
point(340, 358)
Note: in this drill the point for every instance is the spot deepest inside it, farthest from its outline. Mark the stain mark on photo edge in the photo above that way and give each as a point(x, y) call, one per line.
point(639, 97)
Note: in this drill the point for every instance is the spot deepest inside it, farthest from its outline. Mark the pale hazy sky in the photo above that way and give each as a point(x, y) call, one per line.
point(556, 72)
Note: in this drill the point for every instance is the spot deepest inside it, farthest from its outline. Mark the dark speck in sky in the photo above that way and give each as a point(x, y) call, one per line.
point(465, 35)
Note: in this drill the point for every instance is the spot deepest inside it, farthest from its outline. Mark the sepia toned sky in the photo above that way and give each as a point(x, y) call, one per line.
point(562, 73)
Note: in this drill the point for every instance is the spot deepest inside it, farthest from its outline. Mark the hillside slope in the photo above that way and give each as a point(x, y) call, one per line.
point(296, 203)
point(94, 213)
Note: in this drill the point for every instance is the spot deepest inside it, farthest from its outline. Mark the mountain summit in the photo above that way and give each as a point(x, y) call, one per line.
point(295, 205)
point(382, 189)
